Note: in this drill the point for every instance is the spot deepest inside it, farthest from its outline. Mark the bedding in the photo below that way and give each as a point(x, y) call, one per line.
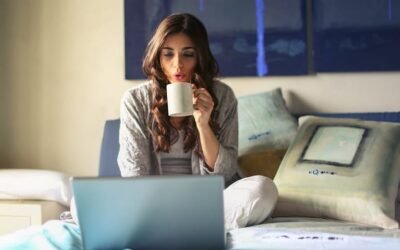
point(42, 185)
point(53, 235)
point(264, 122)
point(275, 233)
point(345, 169)
point(312, 233)
point(265, 163)
point(266, 127)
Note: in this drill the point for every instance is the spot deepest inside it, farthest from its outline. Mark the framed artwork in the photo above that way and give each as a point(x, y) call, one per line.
point(356, 35)
point(278, 37)
point(247, 37)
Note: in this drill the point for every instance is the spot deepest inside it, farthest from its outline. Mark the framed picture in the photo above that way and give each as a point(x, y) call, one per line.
point(248, 38)
point(356, 35)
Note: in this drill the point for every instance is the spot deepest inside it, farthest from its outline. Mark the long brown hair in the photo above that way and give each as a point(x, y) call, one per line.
point(205, 72)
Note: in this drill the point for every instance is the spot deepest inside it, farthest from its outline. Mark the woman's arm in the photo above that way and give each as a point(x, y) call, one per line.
point(220, 154)
point(210, 146)
point(134, 151)
point(203, 105)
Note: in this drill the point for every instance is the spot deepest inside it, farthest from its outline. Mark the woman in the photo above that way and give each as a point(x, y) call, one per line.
point(151, 142)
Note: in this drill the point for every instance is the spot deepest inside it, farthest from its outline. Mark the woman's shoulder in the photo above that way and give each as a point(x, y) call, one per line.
point(222, 89)
point(138, 93)
point(143, 87)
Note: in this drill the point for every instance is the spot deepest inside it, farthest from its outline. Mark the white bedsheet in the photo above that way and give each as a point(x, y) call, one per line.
point(277, 234)
point(308, 233)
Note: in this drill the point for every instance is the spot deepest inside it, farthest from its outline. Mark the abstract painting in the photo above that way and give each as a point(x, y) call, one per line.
point(356, 35)
point(247, 37)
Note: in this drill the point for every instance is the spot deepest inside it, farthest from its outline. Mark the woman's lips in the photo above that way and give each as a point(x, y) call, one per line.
point(179, 77)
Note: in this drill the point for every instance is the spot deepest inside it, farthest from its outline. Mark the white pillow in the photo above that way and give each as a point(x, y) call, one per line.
point(249, 201)
point(35, 184)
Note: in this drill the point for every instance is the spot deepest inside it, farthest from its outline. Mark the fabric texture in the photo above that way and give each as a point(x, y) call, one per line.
point(35, 184)
point(249, 201)
point(137, 155)
point(52, 235)
point(176, 161)
point(265, 163)
point(312, 234)
point(345, 169)
point(264, 122)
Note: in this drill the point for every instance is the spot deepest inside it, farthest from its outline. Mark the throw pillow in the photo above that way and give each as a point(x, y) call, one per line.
point(264, 122)
point(35, 184)
point(344, 169)
point(263, 163)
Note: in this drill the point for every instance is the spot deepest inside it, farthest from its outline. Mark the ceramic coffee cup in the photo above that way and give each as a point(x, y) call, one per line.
point(179, 98)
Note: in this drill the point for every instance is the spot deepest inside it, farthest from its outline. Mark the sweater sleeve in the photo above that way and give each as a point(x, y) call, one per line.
point(134, 152)
point(226, 163)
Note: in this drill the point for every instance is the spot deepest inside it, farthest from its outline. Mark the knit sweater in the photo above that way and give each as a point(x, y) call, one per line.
point(137, 155)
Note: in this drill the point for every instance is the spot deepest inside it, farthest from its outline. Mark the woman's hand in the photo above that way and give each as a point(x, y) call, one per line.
point(203, 105)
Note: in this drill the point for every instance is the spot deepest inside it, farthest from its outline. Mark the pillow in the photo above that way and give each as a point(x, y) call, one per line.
point(263, 163)
point(34, 184)
point(264, 122)
point(249, 201)
point(344, 169)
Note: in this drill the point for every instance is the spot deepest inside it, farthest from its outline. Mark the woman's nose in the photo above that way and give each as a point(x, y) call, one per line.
point(178, 62)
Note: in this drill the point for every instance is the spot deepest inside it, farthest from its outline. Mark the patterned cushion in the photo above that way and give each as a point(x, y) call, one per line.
point(264, 122)
point(345, 169)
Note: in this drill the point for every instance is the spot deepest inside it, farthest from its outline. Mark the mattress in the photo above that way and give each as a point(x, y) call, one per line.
point(312, 233)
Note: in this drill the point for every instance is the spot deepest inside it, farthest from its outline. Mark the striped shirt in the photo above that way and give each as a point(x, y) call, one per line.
point(176, 162)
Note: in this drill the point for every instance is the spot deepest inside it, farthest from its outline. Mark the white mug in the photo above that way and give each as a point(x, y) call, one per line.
point(179, 98)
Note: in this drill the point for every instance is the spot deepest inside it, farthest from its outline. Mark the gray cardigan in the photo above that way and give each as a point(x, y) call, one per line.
point(137, 155)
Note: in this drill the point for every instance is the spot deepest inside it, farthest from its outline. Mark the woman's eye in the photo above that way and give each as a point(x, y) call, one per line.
point(188, 54)
point(168, 54)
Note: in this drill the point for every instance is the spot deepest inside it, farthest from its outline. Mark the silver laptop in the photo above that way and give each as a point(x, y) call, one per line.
point(154, 212)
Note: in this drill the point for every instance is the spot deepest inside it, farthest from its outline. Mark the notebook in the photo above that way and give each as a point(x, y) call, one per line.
point(153, 212)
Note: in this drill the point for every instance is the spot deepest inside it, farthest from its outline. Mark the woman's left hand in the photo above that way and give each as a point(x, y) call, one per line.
point(203, 105)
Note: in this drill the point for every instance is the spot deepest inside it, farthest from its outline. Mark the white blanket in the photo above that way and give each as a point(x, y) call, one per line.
point(277, 234)
point(307, 233)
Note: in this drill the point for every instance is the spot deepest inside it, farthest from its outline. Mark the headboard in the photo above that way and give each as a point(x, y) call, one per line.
point(109, 149)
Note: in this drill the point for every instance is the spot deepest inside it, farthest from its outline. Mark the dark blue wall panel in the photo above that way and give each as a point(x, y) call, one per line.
point(247, 37)
point(356, 35)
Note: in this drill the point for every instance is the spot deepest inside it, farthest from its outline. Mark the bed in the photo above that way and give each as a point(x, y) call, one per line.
point(299, 228)
point(289, 232)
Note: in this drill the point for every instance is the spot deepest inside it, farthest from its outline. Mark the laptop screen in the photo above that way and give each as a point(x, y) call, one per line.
point(153, 212)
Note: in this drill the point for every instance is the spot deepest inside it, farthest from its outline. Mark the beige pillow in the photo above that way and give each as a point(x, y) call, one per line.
point(344, 169)
point(265, 163)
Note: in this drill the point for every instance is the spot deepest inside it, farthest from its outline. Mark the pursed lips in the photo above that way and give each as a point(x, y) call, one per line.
point(179, 76)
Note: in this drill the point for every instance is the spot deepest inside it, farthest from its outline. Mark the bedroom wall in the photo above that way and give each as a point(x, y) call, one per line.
point(62, 75)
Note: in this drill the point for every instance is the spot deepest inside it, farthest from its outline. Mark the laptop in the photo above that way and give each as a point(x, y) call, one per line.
point(153, 212)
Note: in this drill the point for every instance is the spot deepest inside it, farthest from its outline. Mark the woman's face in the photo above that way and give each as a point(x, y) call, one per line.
point(178, 58)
